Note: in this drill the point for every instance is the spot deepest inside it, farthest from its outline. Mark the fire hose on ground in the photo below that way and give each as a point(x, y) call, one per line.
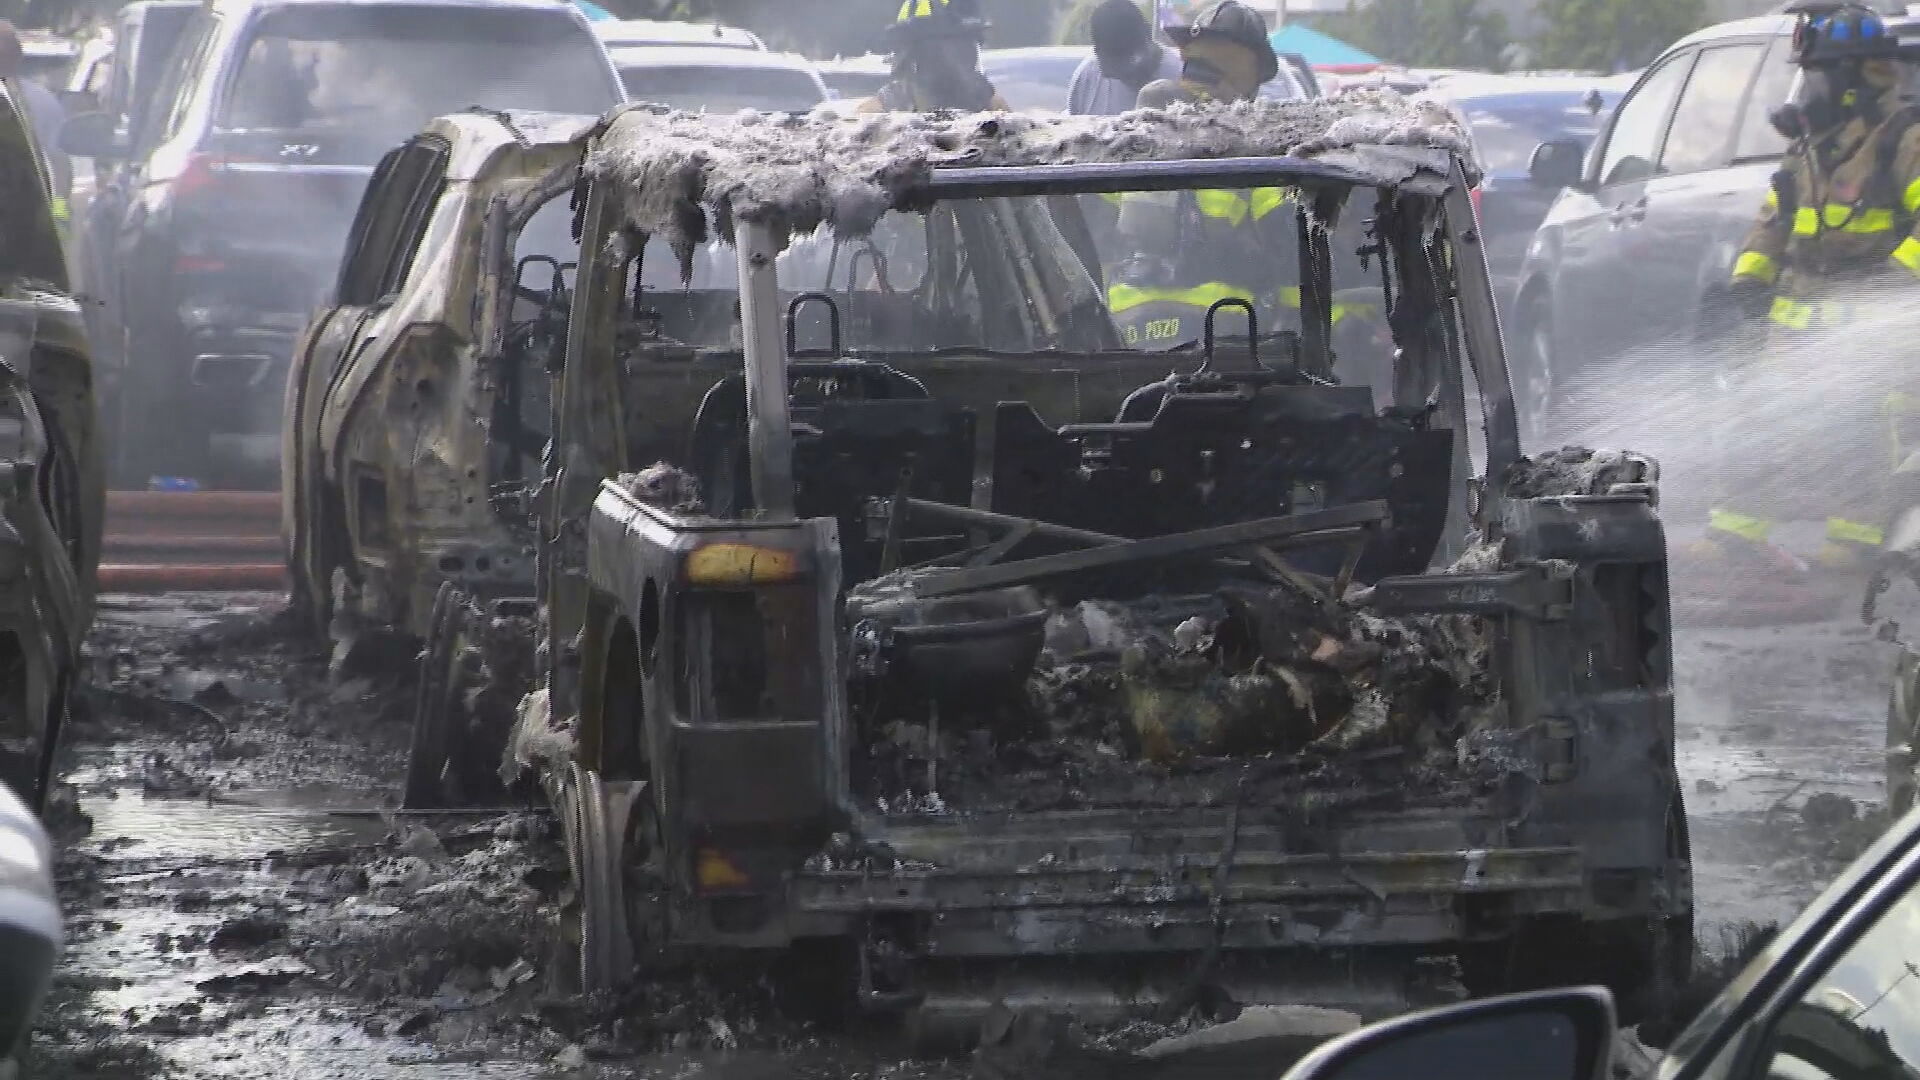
point(192, 541)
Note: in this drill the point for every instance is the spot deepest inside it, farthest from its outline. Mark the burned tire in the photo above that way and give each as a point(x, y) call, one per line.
point(606, 825)
point(448, 763)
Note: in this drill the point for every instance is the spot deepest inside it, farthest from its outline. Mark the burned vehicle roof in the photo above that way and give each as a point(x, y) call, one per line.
point(845, 172)
point(477, 134)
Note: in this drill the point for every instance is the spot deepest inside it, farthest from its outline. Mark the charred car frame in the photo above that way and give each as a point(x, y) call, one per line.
point(417, 411)
point(1030, 672)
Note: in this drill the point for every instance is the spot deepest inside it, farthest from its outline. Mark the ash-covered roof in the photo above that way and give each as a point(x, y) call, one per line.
point(679, 170)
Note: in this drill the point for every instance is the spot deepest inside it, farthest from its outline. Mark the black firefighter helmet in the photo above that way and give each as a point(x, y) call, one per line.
point(923, 20)
point(1235, 22)
point(1835, 32)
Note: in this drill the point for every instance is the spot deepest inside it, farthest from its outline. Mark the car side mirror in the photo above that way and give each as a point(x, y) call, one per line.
point(93, 135)
point(1549, 1035)
point(1557, 164)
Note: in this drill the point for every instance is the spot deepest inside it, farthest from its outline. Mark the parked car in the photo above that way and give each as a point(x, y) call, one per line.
point(47, 58)
point(1509, 117)
point(52, 496)
point(30, 930)
point(632, 33)
point(1033, 78)
point(1832, 997)
point(224, 228)
point(1654, 213)
point(119, 75)
point(417, 409)
point(852, 78)
point(719, 80)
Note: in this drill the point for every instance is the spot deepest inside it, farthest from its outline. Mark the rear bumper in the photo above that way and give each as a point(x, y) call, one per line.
point(1277, 902)
point(1134, 882)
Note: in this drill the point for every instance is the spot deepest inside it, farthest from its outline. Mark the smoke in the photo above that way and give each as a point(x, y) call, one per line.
point(1795, 426)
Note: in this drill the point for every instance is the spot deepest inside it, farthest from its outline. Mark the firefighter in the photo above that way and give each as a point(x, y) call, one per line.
point(935, 46)
point(1839, 223)
point(1187, 251)
point(1225, 55)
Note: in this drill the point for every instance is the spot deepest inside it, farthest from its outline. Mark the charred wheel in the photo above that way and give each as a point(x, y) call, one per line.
point(611, 845)
point(448, 763)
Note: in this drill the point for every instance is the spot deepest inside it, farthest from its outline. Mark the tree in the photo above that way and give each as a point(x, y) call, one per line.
point(1421, 33)
point(1613, 35)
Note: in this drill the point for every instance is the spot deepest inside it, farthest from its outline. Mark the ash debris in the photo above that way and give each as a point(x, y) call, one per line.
point(666, 486)
point(1573, 470)
point(681, 171)
point(1188, 700)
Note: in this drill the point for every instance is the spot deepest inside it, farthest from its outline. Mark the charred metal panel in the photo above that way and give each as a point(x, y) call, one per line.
point(748, 778)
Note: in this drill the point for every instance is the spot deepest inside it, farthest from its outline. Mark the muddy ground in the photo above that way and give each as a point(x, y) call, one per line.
point(242, 901)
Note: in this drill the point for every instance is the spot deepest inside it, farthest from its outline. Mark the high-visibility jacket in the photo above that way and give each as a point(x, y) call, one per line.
point(1209, 245)
point(1850, 208)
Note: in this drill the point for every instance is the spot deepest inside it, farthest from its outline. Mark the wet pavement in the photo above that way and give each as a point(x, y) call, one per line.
point(245, 902)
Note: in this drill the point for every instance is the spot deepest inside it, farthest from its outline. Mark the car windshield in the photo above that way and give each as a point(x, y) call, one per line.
point(721, 87)
point(1505, 134)
point(378, 72)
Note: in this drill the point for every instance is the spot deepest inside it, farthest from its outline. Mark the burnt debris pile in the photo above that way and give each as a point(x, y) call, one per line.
point(1167, 700)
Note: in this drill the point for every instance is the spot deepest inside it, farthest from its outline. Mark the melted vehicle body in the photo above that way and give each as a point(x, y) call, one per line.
point(52, 493)
point(416, 417)
point(942, 629)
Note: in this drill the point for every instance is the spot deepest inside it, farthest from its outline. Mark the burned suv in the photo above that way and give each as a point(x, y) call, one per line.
point(894, 609)
point(416, 416)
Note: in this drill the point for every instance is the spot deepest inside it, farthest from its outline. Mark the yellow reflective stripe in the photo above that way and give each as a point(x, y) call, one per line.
point(1773, 199)
point(1908, 255)
point(1757, 265)
point(1225, 205)
point(1123, 298)
point(1791, 313)
point(1845, 218)
point(915, 9)
point(1266, 200)
point(1117, 198)
point(60, 212)
point(1842, 531)
point(1744, 526)
point(1290, 296)
point(1912, 199)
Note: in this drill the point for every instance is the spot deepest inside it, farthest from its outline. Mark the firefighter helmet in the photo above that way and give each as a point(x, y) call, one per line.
point(1236, 22)
point(922, 19)
point(1836, 33)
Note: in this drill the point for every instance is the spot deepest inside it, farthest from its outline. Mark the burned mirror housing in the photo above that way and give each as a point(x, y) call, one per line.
point(1547, 1035)
point(1556, 164)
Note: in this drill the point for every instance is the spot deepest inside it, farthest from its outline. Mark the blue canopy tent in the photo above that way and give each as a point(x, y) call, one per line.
point(1322, 50)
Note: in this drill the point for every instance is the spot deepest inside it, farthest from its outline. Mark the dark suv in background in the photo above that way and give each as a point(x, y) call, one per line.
point(242, 179)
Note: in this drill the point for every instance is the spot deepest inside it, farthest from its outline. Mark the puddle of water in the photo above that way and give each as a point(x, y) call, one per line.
point(241, 825)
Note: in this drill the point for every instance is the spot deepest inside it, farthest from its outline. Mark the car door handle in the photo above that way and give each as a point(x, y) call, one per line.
point(1632, 213)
